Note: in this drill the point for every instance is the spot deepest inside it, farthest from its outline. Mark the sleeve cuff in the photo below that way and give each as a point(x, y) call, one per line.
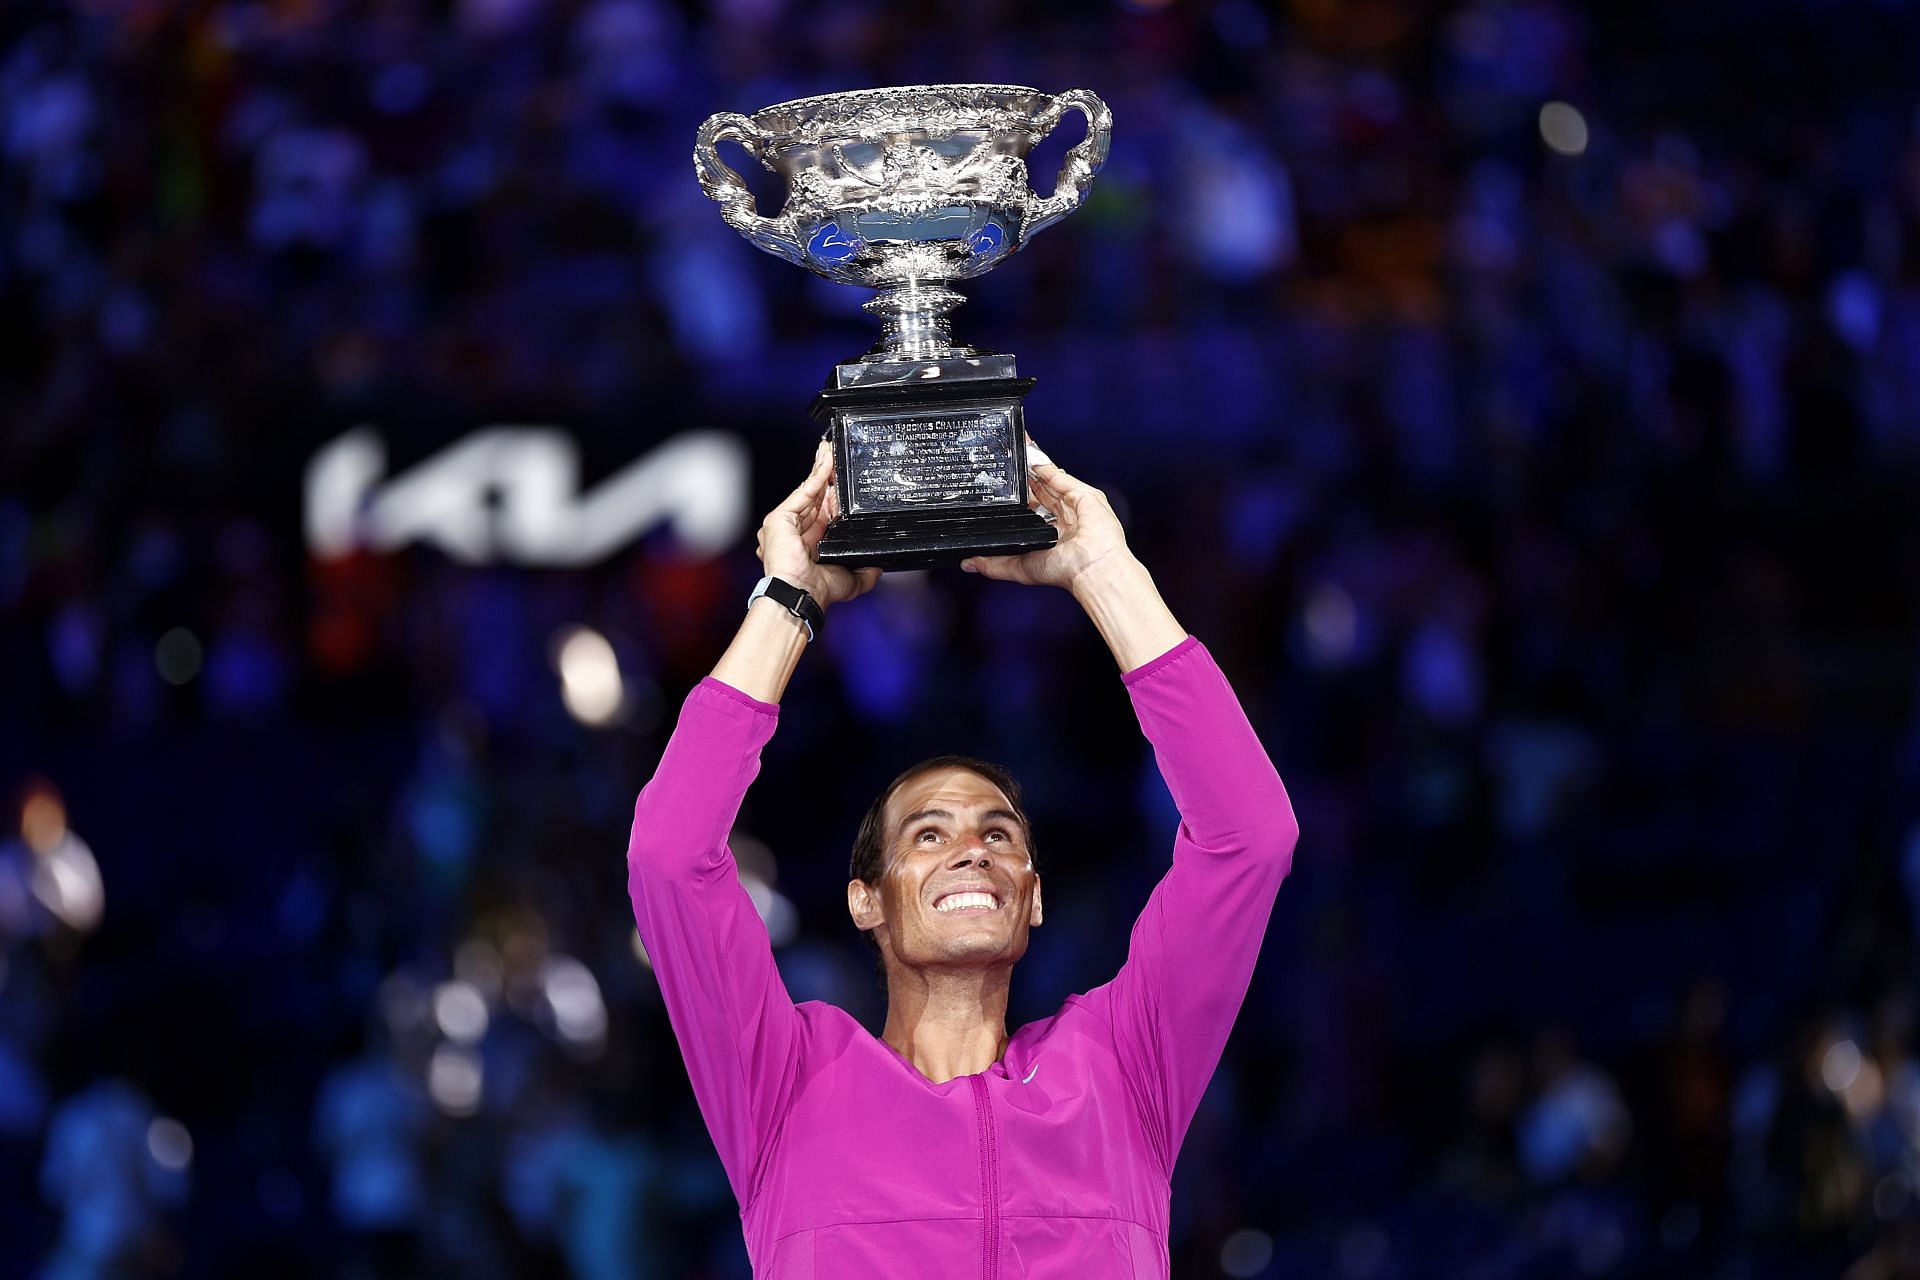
point(750, 703)
point(1171, 656)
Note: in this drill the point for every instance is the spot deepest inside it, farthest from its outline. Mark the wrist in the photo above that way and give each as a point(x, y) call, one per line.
point(1125, 607)
point(764, 653)
point(797, 601)
point(805, 579)
point(1116, 574)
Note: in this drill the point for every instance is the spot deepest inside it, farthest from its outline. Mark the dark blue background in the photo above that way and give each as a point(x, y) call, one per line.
point(1552, 513)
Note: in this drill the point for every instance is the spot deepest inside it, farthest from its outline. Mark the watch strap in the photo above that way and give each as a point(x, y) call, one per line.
point(795, 600)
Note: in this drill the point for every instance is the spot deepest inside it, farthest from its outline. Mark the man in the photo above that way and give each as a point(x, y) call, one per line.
point(947, 1148)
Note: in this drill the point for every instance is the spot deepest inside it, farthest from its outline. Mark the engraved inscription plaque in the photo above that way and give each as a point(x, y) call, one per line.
point(902, 461)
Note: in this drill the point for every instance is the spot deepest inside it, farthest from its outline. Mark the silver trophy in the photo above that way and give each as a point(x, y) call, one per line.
point(906, 191)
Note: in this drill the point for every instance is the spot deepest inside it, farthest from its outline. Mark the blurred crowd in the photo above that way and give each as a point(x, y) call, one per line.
point(1521, 399)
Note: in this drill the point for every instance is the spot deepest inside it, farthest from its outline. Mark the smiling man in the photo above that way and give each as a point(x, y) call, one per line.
point(946, 1147)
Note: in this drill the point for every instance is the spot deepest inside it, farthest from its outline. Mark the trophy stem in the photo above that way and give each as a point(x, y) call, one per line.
point(914, 324)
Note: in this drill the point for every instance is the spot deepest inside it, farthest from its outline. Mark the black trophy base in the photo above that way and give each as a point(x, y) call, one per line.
point(930, 460)
point(926, 539)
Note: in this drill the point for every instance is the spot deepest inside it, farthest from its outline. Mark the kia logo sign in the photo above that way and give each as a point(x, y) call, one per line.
point(511, 494)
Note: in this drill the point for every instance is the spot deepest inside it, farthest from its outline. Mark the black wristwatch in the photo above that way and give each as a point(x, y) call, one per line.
point(794, 600)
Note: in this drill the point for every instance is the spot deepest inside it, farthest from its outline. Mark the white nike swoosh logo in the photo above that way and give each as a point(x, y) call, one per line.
point(1031, 1074)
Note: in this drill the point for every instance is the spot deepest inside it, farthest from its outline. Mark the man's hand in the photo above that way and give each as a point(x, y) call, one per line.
point(789, 538)
point(1091, 539)
point(1092, 560)
point(767, 647)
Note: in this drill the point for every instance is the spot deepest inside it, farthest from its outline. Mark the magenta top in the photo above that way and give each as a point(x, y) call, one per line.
point(1053, 1162)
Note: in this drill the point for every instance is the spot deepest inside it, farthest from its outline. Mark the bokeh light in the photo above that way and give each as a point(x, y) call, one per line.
point(461, 1012)
point(177, 656)
point(62, 876)
point(1840, 1065)
point(589, 676)
point(574, 1003)
point(1332, 625)
point(43, 818)
point(1563, 128)
point(454, 1080)
point(1246, 1253)
point(169, 1143)
point(66, 881)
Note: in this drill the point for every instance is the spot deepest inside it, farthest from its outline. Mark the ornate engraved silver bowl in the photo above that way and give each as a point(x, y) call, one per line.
point(904, 190)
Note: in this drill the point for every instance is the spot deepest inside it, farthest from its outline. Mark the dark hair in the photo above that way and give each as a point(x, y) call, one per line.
point(869, 859)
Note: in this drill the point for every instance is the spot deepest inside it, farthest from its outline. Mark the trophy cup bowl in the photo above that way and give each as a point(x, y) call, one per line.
point(904, 191)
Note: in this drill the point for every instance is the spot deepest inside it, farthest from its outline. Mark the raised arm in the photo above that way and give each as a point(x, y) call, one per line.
point(736, 1025)
point(1192, 951)
point(767, 647)
point(1092, 561)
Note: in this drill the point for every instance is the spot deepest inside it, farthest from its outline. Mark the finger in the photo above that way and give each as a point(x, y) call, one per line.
point(999, 568)
point(814, 485)
point(1055, 499)
point(1038, 503)
point(1070, 490)
point(813, 528)
point(840, 583)
point(822, 465)
point(1055, 481)
point(1060, 480)
point(798, 521)
point(810, 507)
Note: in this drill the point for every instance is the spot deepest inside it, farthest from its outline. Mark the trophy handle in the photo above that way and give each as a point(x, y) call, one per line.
point(724, 187)
point(1076, 172)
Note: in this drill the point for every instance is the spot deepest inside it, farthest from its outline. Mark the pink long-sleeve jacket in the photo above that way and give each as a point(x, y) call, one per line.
point(1053, 1162)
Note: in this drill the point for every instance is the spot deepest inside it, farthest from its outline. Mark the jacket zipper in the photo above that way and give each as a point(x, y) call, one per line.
point(989, 1182)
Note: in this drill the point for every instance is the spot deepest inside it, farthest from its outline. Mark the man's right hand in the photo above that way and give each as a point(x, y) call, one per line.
point(789, 541)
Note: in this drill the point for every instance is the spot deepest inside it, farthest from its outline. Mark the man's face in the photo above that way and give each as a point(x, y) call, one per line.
point(958, 887)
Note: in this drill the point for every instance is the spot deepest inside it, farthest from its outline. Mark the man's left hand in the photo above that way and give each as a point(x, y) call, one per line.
point(1091, 539)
